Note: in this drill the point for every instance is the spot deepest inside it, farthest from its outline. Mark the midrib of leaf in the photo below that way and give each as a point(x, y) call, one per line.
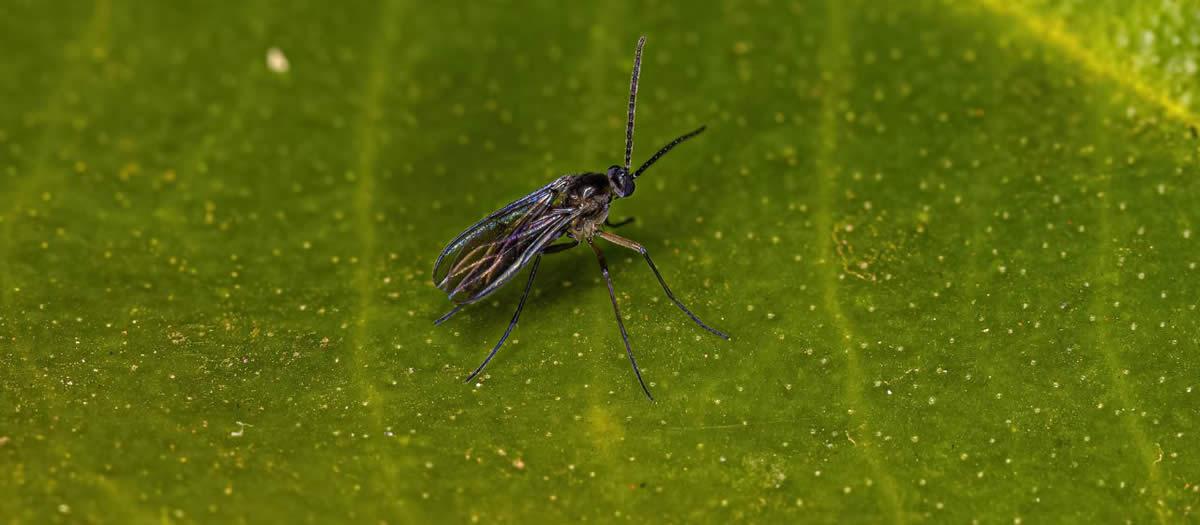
point(1053, 33)
point(366, 138)
point(833, 63)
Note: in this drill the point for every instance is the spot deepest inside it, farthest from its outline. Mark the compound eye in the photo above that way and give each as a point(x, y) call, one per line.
point(625, 185)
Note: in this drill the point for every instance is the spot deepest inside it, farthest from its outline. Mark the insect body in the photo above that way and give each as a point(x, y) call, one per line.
point(489, 254)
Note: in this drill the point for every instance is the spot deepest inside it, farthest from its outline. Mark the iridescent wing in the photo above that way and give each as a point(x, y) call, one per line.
point(488, 254)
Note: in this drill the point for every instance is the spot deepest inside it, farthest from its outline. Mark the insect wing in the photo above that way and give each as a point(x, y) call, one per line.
point(488, 254)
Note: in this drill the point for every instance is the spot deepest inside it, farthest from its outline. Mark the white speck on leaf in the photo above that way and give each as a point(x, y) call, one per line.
point(276, 61)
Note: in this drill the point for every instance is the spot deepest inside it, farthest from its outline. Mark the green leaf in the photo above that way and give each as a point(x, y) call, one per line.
point(954, 242)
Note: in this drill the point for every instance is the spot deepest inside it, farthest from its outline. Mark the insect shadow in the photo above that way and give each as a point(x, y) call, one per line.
point(489, 254)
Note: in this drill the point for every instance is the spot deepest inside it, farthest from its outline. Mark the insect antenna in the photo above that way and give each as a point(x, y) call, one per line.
point(633, 82)
point(665, 149)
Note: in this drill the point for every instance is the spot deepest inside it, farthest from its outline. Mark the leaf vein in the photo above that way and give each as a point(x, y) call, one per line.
point(1052, 32)
point(1109, 281)
point(833, 62)
point(366, 138)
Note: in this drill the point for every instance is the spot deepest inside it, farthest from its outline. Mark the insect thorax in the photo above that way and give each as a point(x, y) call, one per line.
point(590, 193)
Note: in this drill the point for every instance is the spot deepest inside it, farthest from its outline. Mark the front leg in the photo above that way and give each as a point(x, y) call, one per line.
point(555, 248)
point(611, 224)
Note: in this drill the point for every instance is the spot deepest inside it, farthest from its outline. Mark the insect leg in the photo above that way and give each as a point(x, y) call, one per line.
point(555, 248)
point(528, 284)
point(448, 315)
point(621, 241)
point(617, 310)
point(619, 224)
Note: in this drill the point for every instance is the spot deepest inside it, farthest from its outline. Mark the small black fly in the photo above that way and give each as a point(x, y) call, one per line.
point(489, 254)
